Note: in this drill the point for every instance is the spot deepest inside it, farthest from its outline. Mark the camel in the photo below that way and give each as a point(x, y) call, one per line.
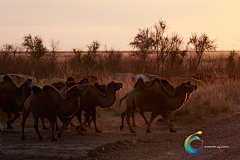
point(94, 98)
point(169, 87)
point(13, 97)
point(156, 99)
point(47, 102)
point(101, 88)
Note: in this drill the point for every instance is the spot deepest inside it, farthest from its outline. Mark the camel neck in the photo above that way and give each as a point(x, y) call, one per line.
point(176, 102)
point(108, 99)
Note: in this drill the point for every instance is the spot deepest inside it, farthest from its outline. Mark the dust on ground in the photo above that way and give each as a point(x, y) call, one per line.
point(221, 130)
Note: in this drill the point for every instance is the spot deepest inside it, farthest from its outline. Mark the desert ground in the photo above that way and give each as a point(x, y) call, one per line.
point(218, 130)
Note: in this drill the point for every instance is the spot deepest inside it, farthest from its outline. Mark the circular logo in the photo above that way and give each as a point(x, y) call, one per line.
point(187, 143)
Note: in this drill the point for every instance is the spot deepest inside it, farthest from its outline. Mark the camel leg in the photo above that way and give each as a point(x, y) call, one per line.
point(169, 125)
point(53, 120)
point(143, 115)
point(9, 126)
point(16, 115)
point(43, 124)
point(123, 116)
point(89, 122)
point(134, 123)
point(81, 124)
point(36, 127)
point(128, 122)
point(166, 115)
point(65, 124)
point(154, 115)
point(94, 115)
point(79, 117)
point(57, 127)
point(25, 116)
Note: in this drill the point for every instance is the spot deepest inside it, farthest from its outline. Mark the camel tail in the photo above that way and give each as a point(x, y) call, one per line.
point(123, 98)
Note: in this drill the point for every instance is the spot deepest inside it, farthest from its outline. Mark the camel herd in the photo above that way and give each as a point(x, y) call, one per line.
point(64, 100)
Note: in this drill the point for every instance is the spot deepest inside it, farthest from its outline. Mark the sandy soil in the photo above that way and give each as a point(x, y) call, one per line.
point(219, 130)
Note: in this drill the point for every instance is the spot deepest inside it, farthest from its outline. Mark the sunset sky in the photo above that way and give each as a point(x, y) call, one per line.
point(76, 23)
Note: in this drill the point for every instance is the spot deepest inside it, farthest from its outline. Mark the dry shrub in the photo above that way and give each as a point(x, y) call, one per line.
point(212, 99)
point(209, 99)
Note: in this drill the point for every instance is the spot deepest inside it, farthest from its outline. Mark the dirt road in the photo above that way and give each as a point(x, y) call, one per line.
point(222, 130)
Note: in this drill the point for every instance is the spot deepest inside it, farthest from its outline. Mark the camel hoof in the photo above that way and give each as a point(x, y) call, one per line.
point(45, 128)
point(89, 124)
point(98, 131)
point(53, 139)
point(23, 138)
point(59, 135)
point(83, 129)
point(133, 131)
point(9, 127)
point(121, 127)
point(77, 128)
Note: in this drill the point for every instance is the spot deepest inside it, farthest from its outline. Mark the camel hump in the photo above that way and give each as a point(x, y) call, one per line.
point(139, 81)
point(7, 78)
point(70, 79)
point(156, 80)
point(46, 88)
point(36, 89)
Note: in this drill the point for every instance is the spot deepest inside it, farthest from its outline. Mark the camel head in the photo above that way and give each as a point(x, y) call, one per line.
point(189, 83)
point(184, 88)
point(112, 86)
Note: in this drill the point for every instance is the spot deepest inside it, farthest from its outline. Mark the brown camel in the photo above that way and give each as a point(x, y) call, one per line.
point(49, 103)
point(169, 87)
point(101, 88)
point(94, 98)
point(156, 99)
point(13, 97)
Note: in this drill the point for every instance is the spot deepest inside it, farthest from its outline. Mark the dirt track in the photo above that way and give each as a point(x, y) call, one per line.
point(221, 130)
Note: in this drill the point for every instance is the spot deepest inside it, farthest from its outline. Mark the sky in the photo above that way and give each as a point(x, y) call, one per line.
point(114, 23)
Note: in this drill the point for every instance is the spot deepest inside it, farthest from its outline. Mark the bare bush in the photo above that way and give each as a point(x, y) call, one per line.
point(34, 46)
